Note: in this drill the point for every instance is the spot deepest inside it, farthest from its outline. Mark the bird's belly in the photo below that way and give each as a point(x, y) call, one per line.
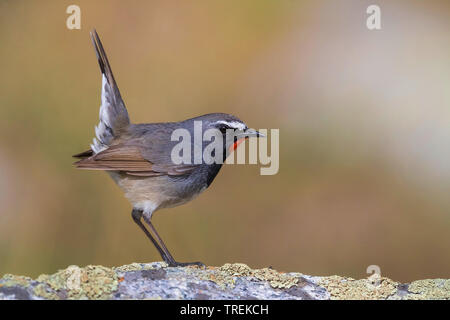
point(152, 193)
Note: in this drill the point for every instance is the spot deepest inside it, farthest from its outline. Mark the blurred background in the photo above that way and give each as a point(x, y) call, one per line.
point(364, 119)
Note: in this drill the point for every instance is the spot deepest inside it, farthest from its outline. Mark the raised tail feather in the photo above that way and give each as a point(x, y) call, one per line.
point(113, 113)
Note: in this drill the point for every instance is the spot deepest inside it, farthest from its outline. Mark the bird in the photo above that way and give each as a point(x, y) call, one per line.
point(139, 157)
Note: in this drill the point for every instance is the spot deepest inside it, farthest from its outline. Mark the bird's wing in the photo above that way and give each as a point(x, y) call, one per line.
point(113, 113)
point(129, 159)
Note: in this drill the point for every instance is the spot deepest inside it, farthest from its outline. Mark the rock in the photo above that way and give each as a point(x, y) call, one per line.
point(230, 281)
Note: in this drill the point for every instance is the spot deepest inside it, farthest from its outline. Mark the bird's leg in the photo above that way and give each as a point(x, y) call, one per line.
point(172, 262)
point(136, 214)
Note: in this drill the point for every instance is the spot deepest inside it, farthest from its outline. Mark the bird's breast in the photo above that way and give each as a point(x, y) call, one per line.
point(152, 193)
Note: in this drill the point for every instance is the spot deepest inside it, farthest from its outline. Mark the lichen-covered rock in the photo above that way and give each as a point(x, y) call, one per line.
point(429, 289)
point(230, 281)
point(365, 289)
point(91, 282)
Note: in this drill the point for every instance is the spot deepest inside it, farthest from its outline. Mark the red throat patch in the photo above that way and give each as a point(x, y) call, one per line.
point(236, 144)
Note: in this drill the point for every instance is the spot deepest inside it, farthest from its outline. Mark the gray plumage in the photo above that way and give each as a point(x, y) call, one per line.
point(138, 156)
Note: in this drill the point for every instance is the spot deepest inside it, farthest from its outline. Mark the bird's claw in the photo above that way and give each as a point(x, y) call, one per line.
point(186, 264)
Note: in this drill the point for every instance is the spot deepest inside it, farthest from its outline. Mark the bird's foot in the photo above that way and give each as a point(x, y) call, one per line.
point(186, 264)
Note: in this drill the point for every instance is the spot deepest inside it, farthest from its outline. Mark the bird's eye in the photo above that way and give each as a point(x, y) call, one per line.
point(223, 128)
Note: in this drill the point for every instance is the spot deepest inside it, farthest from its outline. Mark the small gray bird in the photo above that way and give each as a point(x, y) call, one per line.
point(139, 156)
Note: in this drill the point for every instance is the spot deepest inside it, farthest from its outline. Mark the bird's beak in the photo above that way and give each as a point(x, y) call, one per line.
point(251, 133)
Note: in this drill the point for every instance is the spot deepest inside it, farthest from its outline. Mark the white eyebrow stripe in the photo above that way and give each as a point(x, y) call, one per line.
point(233, 124)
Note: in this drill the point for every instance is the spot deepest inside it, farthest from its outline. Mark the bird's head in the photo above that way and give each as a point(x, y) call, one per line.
point(232, 129)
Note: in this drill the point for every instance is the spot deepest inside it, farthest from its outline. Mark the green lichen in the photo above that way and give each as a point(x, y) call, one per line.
point(129, 267)
point(429, 289)
point(226, 276)
point(137, 267)
point(44, 291)
point(372, 288)
point(236, 269)
point(276, 279)
point(91, 282)
point(10, 280)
